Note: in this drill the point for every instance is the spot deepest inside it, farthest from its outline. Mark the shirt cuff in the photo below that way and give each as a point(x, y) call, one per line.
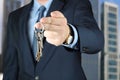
point(75, 39)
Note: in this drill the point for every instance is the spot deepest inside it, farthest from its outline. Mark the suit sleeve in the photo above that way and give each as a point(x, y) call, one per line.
point(91, 39)
point(10, 65)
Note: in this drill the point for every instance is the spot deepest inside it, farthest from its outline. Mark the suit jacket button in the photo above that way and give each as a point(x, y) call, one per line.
point(36, 77)
point(85, 49)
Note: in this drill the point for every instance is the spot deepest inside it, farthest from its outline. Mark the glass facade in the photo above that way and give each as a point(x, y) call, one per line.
point(112, 77)
point(112, 36)
point(111, 42)
point(112, 9)
point(111, 22)
point(112, 29)
point(112, 49)
point(112, 69)
point(112, 62)
point(112, 15)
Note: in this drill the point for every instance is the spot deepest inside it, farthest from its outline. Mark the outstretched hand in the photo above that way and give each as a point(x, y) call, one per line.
point(56, 28)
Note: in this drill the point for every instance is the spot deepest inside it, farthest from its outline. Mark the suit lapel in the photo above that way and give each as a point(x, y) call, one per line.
point(25, 45)
point(49, 49)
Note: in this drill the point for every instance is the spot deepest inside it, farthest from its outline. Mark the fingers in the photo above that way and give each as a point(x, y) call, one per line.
point(54, 21)
point(57, 18)
point(50, 27)
point(49, 34)
point(52, 38)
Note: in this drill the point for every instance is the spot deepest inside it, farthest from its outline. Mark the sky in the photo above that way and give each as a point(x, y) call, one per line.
point(114, 1)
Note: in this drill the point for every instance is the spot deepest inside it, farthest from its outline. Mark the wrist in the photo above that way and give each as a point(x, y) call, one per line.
point(69, 37)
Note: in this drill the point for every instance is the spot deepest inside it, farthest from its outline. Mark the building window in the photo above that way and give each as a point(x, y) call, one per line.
point(112, 42)
point(112, 36)
point(112, 62)
point(112, 15)
point(111, 29)
point(111, 49)
point(111, 76)
point(113, 70)
point(112, 9)
point(112, 22)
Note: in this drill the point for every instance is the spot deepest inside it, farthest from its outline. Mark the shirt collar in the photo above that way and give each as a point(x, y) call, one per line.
point(37, 5)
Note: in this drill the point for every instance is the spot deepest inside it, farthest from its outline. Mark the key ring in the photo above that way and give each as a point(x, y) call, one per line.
point(40, 30)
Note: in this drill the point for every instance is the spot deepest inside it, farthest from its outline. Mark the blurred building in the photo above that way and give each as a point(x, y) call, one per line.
point(110, 57)
point(91, 63)
point(11, 5)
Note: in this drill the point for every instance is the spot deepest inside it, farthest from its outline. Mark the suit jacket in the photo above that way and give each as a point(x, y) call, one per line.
point(57, 63)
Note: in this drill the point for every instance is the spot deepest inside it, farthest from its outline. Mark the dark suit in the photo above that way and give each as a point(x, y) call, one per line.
point(57, 63)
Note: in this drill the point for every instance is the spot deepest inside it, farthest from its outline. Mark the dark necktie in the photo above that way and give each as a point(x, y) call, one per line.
point(40, 15)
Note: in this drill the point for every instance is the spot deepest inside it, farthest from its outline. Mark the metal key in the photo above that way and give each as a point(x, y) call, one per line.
point(39, 36)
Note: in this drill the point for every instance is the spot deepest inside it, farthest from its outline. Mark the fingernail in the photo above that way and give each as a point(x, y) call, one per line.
point(53, 13)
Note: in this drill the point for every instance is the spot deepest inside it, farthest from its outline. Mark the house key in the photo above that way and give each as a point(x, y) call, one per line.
point(39, 33)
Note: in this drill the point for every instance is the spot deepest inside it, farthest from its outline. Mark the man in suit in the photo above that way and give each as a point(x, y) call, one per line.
point(61, 59)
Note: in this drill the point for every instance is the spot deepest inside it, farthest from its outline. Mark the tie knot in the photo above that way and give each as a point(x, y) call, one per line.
point(42, 9)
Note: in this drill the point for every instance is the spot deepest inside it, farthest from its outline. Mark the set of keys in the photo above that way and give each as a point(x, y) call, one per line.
point(39, 34)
